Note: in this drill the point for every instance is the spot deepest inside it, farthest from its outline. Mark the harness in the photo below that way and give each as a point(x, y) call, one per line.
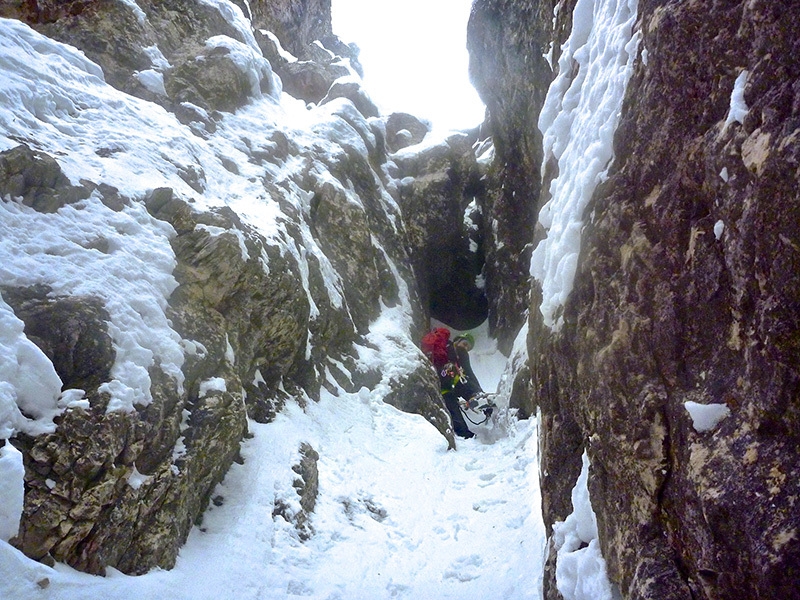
point(455, 374)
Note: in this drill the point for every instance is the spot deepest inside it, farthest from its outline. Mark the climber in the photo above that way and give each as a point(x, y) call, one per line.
point(456, 378)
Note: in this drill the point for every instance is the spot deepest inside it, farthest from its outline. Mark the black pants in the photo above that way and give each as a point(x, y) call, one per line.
point(459, 424)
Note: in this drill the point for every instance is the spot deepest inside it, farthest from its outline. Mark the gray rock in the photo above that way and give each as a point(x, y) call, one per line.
point(353, 91)
point(437, 186)
point(419, 393)
point(71, 331)
point(309, 80)
point(35, 179)
point(211, 80)
point(506, 40)
point(122, 490)
point(403, 130)
point(667, 308)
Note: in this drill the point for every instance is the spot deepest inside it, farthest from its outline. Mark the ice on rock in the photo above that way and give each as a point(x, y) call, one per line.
point(719, 229)
point(580, 567)
point(29, 384)
point(738, 107)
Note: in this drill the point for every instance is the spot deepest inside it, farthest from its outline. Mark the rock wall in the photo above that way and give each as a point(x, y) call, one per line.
point(686, 291)
point(268, 309)
point(507, 41)
point(442, 190)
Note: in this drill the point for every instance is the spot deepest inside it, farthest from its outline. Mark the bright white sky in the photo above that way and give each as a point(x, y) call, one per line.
point(414, 56)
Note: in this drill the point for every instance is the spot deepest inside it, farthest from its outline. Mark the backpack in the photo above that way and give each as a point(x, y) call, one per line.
point(434, 345)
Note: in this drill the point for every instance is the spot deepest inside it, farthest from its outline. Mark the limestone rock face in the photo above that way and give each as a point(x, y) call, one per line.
point(507, 40)
point(686, 291)
point(353, 91)
point(310, 80)
point(441, 192)
point(96, 487)
point(115, 37)
point(297, 23)
point(272, 304)
point(403, 129)
point(71, 331)
point(212, 80)
point(161, 52)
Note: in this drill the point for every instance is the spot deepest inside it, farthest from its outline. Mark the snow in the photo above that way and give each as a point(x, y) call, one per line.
point(56, 100)
point(706, 417)
point(236, 19)
point(133, 277)
point(153, 81)
point(580, 567)
point(516, 360)
point(285, 54)
point(249, 60)
point(29, 384)
point(157, 57)
point(214, 384)
point(136, 479)
point(12, 491)
point(738, 107)
point(578, 121)
point(140, 15)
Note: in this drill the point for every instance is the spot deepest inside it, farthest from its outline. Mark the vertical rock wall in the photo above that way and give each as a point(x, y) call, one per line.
point(687, 291)
point(507, 41)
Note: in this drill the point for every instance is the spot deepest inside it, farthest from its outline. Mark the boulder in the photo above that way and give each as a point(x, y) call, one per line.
point(309, 80)
point(403, 130)
point(35, 179)
point(353, 91)
point(215, 79)
point(71, 331)
point(418, 392)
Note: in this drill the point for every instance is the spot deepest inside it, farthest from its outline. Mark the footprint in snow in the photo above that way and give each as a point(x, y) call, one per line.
point(485, 505)
point(397, 590)
point(473, 465)
point(465, 568)
point(486, 479)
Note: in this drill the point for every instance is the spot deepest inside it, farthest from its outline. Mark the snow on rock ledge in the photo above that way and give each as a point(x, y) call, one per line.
point(706, 417)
